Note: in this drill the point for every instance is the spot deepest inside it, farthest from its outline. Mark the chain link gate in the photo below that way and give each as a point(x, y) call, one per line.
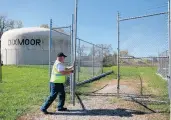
point(142, 42)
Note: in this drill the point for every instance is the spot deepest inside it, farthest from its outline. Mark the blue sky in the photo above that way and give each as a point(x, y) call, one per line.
point(97, 20)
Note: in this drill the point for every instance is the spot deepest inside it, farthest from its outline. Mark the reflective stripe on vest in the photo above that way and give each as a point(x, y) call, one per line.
point(57, 77)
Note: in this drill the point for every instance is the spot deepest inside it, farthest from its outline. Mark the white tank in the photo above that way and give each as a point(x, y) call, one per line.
point(30, 46)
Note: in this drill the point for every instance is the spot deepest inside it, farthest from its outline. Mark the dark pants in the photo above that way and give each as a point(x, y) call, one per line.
point(55, 89)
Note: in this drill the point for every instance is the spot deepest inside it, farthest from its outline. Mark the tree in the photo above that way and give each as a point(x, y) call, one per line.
point(124, 53)
point(115, 56)
point(7, 24)
point(44, 26)
point(81, 50)
point(99, 48)
point(103, 53)
point(47, 26)
point(107, 50)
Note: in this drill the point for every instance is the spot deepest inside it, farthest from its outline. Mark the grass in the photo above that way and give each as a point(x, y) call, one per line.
point(95, 85)
point(152, 84)
point(23, 88)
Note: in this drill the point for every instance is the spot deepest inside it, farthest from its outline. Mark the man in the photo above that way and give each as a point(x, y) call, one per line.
point(58, 78)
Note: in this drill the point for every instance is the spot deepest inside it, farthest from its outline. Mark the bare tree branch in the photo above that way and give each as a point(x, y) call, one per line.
point(7, 24)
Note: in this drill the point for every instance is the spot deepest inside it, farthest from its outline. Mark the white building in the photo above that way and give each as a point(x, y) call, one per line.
point(31, 46)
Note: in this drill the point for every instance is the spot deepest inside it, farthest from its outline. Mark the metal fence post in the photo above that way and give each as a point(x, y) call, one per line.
point(78, 51)
point(72, 59)
point(102, 58)
point(6, 55)
point(75, 44)
point(169, 42)
point(165, 65)
point(0, 63)
point(16, 56)
point(118, 52)
point(79, 55)
point(158, 63)
point(93, 59)
point(99, 62)
point(50, 42)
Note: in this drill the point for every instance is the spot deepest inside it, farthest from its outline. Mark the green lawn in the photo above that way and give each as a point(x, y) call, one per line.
point(25, 87)
point(153, 84)
point(22, 88)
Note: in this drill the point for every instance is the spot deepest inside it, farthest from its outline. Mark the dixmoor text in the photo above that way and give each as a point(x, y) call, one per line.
point(24, 42)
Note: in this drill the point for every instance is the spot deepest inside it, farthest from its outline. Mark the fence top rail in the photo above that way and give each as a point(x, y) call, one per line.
point(69, 26)
point(89, 42)
point(60, 32)
point(138, 17)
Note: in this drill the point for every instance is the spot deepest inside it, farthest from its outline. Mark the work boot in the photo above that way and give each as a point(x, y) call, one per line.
point(44, 111)
point(62, 109)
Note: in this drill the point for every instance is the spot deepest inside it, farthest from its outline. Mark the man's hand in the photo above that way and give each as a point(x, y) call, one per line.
point(72, 71)
point(70, 67)
point(66, 72)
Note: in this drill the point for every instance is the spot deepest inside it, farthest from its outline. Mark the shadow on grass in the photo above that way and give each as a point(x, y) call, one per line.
point(102, 112)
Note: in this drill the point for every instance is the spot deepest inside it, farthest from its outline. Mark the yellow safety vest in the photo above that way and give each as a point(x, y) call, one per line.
point(57, 77)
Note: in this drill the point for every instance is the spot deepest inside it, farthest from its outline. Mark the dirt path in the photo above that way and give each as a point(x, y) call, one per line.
point(103, 105)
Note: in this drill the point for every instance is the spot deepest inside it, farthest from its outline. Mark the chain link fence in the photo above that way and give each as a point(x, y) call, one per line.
point(89, 60)
point(140, 40)
point(163, 64)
